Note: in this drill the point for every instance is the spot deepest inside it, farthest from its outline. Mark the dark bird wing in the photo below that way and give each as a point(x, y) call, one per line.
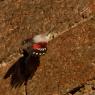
point(21, 72)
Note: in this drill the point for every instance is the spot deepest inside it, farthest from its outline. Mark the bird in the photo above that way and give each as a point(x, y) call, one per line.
point(37, 45)
point(25, 67)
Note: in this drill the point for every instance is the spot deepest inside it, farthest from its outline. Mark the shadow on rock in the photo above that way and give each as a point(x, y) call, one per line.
point(21, 72)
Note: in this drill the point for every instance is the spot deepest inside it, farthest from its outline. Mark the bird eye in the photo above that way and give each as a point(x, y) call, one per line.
point(23, 42)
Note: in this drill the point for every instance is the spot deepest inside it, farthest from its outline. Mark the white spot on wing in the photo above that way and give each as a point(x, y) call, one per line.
point(33, 52)
point(40, 54)
point(36, 53)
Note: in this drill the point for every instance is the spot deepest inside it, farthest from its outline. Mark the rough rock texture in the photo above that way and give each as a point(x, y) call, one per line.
point(69, 65)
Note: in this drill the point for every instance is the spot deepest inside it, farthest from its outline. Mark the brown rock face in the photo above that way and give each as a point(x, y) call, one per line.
point(70, 60)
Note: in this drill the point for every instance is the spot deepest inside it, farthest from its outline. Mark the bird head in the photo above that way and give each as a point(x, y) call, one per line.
point(42, 38)
point(38, 43)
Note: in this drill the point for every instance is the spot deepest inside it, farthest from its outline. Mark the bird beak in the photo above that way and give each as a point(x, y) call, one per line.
point(49, 36)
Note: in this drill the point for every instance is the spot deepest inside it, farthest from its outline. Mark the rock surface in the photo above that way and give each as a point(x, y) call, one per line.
point(68, 68)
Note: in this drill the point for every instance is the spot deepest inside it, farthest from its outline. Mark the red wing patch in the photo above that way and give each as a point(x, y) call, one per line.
point(39, 48)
